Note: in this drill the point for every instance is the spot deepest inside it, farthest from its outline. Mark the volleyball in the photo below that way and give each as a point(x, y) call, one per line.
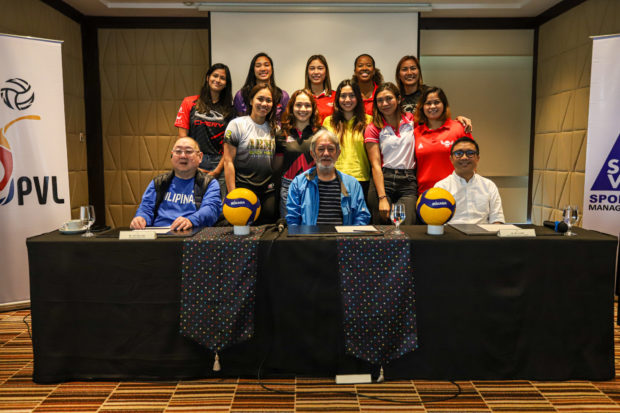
point(17, 94)
point(241, 207)
point(435, 206)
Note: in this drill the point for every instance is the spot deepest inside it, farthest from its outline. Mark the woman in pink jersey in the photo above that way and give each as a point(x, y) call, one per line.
point(434, 136)
point(390, 144)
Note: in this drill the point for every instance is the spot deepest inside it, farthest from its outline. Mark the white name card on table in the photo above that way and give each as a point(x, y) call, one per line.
point(356, 229)
point(135, 235)
point(514, 233)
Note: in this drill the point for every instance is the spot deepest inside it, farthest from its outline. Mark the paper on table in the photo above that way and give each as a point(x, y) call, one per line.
point(497, 227)
point(352, 229)
point(157, 230)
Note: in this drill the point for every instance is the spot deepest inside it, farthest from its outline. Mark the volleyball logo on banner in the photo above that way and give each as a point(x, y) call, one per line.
point(17, 94)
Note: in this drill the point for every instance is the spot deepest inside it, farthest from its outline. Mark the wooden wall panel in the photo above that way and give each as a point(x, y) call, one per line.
point(145, 74)
point(562, 99)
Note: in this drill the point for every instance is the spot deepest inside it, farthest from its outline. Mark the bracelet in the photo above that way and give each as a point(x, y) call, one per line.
point(382, 197)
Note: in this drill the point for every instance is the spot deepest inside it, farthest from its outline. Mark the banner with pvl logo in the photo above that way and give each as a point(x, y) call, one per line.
point(34, 182)
point(601, 210)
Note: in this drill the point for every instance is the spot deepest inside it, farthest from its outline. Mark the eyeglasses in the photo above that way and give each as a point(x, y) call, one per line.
point(179, 152)
point(469, 153)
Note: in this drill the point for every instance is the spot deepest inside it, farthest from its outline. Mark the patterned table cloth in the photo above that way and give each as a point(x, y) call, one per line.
point(218, 287)
point(378, 295)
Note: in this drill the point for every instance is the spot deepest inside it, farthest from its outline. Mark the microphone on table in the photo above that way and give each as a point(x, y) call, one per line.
point(281, 224)
point(557, 226)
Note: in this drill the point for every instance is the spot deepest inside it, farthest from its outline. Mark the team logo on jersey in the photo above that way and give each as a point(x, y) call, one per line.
point(209, 117)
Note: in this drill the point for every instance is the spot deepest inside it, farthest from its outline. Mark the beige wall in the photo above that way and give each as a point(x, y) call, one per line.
point(562, 96)
point(145, 73)
point(487, 76)
point(33, 18)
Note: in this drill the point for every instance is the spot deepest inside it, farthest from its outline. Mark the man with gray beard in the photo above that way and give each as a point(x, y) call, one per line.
point(324, 195)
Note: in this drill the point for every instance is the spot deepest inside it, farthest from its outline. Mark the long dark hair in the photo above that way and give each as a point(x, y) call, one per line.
point(288, 117)
point(327, 84)
point(420, 116)
point(400, 84)
point(271, 116)
point(377, 116)
point(377, 77)
point(224, 104)
point(250, 82)
point(338, 120)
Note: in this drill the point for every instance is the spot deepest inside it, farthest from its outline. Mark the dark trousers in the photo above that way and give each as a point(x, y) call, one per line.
point(400, 185)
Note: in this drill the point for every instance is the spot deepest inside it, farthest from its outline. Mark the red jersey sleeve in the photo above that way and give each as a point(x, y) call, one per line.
point(182, 120)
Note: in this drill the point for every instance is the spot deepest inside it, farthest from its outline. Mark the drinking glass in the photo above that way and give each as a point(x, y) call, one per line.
point(397, 215)
point(87, 215)
point(570, 215)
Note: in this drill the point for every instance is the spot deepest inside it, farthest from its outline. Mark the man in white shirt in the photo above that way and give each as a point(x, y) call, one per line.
point(477, 198)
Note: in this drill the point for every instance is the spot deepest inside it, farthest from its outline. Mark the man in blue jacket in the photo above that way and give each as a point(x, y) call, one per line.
point(182, 198)
point(324, 195)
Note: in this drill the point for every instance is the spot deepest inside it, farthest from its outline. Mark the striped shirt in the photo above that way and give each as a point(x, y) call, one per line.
point(330, 209)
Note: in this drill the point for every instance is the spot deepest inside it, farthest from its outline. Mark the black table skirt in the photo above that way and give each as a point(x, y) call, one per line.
point(487, 308)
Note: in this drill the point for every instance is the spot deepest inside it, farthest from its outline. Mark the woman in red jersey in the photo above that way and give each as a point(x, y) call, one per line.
point(434, 136)
point(368, 78)
point(319, 82)
point(204, 117)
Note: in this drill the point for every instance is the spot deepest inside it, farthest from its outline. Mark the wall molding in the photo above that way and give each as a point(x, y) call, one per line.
point(65, 9)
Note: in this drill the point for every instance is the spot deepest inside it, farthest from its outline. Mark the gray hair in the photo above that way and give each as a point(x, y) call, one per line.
point(323, 133)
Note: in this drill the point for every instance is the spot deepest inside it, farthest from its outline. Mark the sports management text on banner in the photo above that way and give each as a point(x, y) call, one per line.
point(601, 209)
point(34, 182)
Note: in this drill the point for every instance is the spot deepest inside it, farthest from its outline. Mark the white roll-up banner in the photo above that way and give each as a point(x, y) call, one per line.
point(601, 210)
point(34, 181)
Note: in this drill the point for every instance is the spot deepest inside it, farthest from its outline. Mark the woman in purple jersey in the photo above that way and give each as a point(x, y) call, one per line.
point(260, 73)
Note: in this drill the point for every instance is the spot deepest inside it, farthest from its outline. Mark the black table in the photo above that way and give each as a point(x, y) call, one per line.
point(487, 308)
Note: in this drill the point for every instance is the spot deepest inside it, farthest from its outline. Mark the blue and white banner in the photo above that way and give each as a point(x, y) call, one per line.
point(601, 210)
point(34, 182)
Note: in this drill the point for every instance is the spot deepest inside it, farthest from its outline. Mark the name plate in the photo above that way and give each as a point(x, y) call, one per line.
point(132, 235)
point(513, 233)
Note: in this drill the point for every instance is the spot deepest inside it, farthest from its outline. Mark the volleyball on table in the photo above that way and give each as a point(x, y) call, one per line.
point(435, 206)
point(241, 207)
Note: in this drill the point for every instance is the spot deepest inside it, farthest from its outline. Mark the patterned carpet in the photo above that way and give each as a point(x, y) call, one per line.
point(19, 394)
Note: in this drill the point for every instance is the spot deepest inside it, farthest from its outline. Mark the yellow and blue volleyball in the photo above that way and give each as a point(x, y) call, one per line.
point(241, 207)
point(435, 206)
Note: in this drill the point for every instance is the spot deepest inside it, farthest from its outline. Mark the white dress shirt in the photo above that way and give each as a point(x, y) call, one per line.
point(477, 201)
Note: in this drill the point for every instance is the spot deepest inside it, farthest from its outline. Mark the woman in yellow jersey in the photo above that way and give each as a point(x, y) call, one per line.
point(348, 123)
